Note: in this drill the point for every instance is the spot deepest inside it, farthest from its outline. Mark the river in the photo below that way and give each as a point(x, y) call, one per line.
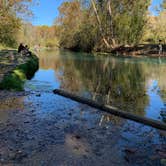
point(38, 127)
point(136, 85)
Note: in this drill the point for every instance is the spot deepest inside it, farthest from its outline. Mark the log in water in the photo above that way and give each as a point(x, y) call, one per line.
point(112, 110)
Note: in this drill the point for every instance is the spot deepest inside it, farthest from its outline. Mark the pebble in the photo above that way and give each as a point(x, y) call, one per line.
point(77, 137)
point(163, 162)
point(130, 150)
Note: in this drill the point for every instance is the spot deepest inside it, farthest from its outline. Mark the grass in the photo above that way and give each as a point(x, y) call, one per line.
point(16, 78)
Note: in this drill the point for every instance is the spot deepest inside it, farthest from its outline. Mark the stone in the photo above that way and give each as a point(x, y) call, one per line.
point(162, 154)
point(77, 137)
point(130, 150)
point(163, 162)
point(18, 156)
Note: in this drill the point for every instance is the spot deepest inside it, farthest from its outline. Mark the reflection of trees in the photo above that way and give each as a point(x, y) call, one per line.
point(116, 83)
point(157, 72)
point(119, 82)
point(70, 79)
point(105, 118)
point(50, 59)
point(64, 68)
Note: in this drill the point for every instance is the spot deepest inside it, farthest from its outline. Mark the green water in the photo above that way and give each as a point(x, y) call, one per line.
point(136, 85)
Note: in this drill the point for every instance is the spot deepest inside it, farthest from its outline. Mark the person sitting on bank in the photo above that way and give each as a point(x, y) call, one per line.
point(27, 52)
point(24, 50)
point(21, 48)
point(160, 47)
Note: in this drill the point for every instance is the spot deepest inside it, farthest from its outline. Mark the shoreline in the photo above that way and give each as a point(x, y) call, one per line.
point(16, 69)
point(141, 50)
point(138, 51)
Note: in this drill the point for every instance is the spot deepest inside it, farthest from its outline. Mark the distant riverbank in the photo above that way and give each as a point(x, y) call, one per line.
point(150, 50)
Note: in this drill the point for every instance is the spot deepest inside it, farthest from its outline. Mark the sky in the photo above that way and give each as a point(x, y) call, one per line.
point(155, 3)
point(47, 10)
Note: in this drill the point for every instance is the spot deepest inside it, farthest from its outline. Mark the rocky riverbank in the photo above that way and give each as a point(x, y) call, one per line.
point(15, 69)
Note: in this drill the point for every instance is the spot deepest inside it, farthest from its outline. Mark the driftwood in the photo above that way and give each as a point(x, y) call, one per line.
point(112, 110)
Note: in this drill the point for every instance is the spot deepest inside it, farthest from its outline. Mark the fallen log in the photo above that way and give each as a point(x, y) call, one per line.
point(112, 110)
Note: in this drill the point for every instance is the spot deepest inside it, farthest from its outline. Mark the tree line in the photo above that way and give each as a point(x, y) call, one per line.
point(102, 25)
point(14, 29)
point(84, 25)
point(44, 36)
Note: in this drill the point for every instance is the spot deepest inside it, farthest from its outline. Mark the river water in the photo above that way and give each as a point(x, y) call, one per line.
point(38, 127)
point(136, 85)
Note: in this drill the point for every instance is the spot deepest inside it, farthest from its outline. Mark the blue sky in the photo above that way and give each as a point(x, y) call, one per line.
point(155, 3)
point(47, 10)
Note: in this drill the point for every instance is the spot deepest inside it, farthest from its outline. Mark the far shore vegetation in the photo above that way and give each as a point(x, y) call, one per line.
point(85, 25)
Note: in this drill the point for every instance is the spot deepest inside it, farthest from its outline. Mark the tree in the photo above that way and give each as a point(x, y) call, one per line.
point(155, 29)
point(100, 24)
point(10, 20)
point(69, 19)
point(124, 20)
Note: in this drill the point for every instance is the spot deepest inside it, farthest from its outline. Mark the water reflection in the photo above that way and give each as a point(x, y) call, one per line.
point(135, 85)
point(105, 118)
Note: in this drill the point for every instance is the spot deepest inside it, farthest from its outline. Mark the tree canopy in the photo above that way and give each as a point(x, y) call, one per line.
point(10, 10)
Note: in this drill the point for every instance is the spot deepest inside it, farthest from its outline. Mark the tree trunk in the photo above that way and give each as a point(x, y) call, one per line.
point(100, 25)
point(112, 28)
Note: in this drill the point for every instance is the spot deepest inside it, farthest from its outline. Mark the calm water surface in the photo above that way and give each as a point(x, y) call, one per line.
point(131, 84)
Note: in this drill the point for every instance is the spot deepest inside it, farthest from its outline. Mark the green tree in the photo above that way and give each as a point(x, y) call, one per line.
point(123, 20)
point(10, 10)
point(155, 28)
